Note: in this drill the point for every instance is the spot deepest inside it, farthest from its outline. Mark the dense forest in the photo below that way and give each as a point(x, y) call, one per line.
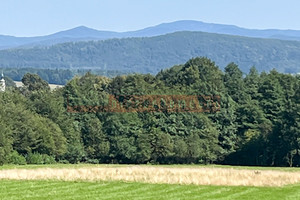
point(258, 124)
point(149, 55)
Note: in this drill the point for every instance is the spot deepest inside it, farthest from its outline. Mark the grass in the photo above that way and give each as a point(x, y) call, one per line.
point(37, 190)
point(75, 166)
point(58, 166)
point(157, 174)
point(87, 181)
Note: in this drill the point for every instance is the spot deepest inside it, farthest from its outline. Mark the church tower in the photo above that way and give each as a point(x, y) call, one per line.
point(2, 83)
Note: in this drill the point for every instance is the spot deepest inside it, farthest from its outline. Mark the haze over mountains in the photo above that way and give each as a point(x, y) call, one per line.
point(86, 34)
point(155, 48)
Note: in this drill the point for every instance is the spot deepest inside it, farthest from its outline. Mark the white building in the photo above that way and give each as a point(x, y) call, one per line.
point(2, 83)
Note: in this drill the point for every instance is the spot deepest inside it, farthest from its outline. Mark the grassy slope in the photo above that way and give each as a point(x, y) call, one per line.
point(121, 190)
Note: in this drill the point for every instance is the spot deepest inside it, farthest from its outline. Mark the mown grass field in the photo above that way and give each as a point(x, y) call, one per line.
point(98, 189)
point(31, 190)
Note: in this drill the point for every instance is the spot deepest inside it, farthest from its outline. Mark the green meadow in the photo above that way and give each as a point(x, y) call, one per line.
point(55, 189)
point(21, 190)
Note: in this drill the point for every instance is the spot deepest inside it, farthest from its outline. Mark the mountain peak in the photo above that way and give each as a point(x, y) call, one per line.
point(82, 27)
point(80, 31)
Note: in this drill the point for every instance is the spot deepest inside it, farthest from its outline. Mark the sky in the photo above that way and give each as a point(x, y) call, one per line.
point(43, 17)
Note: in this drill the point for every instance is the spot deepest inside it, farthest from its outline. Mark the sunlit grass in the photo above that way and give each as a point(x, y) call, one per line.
point(125, 165)
point(195, 175)
point(122, 182)
point(50, 190)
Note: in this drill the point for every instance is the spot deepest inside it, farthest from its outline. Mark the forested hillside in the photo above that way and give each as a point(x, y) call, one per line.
point(258, 124)
point(150, 55)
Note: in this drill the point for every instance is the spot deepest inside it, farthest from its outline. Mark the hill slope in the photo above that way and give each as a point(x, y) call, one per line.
point(155, 53)
point(84, 33)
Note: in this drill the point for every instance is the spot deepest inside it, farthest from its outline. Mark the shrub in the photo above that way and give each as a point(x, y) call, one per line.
point(92, 161)
point(64, 162)
point(48, 159)
point(39, 159)
point(2, 156)
point(17, 159)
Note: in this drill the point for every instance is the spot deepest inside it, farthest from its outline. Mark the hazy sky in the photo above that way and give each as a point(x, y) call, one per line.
point(41, 17)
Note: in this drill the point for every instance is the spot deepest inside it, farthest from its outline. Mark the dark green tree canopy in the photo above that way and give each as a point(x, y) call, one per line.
point(258, 122)
point(34, 83)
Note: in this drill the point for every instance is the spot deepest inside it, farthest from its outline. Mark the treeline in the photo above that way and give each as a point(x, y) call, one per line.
point(57, 76)
point(258, 124)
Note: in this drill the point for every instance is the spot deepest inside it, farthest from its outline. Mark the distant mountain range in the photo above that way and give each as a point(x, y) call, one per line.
point(86, 34)
point(151, 54)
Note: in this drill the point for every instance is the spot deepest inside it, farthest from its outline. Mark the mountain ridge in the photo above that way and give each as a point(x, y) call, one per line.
point(152, 54)
point(83, 33)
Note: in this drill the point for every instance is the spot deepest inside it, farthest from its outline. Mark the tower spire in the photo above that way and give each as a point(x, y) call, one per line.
point(2, 83)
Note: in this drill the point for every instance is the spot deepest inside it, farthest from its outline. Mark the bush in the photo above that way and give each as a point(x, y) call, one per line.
point(39, 159)
point(2, 156)
point(17, 159)
point(35, 158)
point(63, 162)
point(92, 161)
point(48, 159)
